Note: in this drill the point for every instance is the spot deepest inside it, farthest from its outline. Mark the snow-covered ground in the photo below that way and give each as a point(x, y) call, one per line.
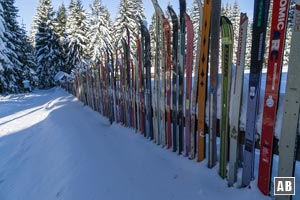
point(53, 147)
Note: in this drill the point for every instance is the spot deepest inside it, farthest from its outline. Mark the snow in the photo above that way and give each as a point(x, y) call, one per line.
point(53, 147)
point(60, 75)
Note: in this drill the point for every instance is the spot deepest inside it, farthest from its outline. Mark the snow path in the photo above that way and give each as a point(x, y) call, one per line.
point(53, 147)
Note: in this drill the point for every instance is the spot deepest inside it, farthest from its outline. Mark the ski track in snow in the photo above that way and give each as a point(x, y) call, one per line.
point(54, 147)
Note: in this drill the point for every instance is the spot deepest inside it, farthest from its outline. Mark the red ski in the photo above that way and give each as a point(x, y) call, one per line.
point(188, 66)
point(276, 47)
point(168, 78)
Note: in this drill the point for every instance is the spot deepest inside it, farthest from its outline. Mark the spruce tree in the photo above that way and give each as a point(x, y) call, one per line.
point(27, 58)
point(77, 30)
point(235, 20)
point(233, 13)
point(100, 30)
point(60, 22)
point(47, 47)
point(3, 58)
point(153, 38)
point(126, 19)
point(13, 42)
point(138, 6)
point(248, 45)
point(34, 26)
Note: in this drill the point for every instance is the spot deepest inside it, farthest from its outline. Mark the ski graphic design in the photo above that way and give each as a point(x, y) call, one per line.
point(189, 69)
point(182, 7)
point(175, 71)
point(277, 38)
point(214, 67)
point(236, 100)
point(195, 87)
point(288, 138)
point(202, 78)
point(261, 8)
point(227, 52)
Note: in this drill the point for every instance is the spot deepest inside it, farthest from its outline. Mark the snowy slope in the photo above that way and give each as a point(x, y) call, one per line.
point(53, 147)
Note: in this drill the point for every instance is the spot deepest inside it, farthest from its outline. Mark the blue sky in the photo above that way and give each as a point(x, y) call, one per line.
point(27, 8)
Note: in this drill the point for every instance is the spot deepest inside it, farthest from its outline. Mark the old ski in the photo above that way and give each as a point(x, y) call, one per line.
point(288, 138)
point(188, 90)
point(261, 8)
point(276, 47)
point(202, 78)
point(236, 100)
point(227, 52)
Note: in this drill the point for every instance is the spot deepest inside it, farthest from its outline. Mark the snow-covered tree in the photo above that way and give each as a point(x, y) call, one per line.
point(248, 45)
point(12, 35)
point(235, 20)
point(3, 57)
point(26, 55)
point(77, 30)
point(152, 33)
point(60, 22)
point(126, 19)
point(34, 26)
point(138, 6)
point(233, 13)
point(226, 10)
point(100, 30)
point(46, 46)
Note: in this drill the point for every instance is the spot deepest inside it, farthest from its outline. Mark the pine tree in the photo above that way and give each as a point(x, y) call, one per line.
point(27, 58)
point(77, 29)
point(60, 22)
point(235, 20)
point(233, 13)
point(100, 30)
point(12, 35)
point(3, 58)
point(153, 37)
point(126, 19)
point(138, 6)
point(226, 10)
point(47, 47)
point(248, 45)
point(34, 26)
